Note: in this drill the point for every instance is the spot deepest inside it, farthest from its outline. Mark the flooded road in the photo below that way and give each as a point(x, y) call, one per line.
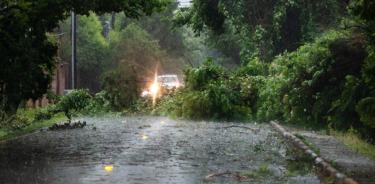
point(152, 150)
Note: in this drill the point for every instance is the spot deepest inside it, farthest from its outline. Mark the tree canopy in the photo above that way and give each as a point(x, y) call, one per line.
point(267, 28)
point(27, 54)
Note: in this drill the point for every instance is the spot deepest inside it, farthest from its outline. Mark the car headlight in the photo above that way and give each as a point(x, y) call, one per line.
point(154, 88)
point(145, 93)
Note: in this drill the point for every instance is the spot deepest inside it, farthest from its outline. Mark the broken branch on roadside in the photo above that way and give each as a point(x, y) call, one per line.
point(238, 126)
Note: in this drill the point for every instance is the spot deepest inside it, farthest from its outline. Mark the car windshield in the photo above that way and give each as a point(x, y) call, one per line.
point(167, 79)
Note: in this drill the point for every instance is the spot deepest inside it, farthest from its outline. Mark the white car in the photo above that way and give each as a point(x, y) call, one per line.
point(162, 81)
point(169, 81)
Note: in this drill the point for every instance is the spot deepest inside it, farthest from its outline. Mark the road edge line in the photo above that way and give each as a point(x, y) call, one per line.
point(318, 161)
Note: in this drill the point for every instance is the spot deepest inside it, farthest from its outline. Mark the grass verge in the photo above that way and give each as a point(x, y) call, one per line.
point(6, 134)
point(354, 142)
point(350, 138)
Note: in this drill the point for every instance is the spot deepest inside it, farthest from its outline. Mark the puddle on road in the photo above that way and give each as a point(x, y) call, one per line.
point(161, 151)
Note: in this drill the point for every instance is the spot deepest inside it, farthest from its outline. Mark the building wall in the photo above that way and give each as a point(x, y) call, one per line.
point(57, 86)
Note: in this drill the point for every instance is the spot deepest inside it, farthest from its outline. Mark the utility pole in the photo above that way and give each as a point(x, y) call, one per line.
point(74, 50)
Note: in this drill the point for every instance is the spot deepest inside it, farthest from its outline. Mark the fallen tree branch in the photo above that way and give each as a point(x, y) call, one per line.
point(235, 175)
point(238, 126)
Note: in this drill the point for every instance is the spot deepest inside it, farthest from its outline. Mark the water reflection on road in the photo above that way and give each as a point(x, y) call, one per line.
point(146, 150)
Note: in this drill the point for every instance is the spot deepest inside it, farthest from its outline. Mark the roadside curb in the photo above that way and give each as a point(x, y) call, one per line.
point(320, 162)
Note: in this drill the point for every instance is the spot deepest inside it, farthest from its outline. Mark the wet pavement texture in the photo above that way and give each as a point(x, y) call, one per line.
point(150, 150)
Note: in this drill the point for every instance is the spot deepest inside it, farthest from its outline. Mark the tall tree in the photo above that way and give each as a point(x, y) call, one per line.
point(26, 53)
point(137, 49)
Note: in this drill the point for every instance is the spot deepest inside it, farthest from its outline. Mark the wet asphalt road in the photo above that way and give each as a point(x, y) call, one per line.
point(149, 150)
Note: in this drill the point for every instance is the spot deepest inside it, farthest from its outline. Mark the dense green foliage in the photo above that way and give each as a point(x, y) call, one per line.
point(323, 83)
point(297, 66)
point(104, 42)
point(13, 122)
point(122, 61)
point(262, 28)
point(24, 121)
point(121, 90)
point(138, 52)
point(27, 55)
point(75, 101)
point(129, 47)
point(364, 11)
point(46, 113)
point(209, 93)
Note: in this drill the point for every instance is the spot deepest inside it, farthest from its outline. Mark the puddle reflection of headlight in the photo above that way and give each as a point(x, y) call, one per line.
point(144, 137)
point(108, 168)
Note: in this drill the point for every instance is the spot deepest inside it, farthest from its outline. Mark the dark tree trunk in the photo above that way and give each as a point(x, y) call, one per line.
point(113, 20)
